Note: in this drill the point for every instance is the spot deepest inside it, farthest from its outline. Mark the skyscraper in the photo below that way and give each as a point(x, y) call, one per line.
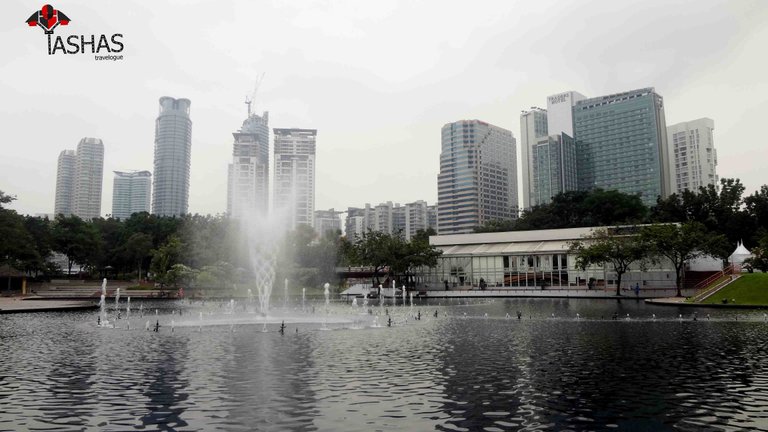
point(533, 127)
point(294, 189)
point(248, 186)
point(173, 154)
point(79, 179)
point(130, 193)
point(89, 176)
point(692, 154)
point(65, 183)
point(621, 144)
point(478, 176)
point(554, 168)
point(560, 112)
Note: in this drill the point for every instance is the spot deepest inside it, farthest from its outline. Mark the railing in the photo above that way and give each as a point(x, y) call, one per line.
point(703, 288)
point(705, 283)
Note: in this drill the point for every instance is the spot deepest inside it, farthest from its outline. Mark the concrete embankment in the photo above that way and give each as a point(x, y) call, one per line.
point(26, 305)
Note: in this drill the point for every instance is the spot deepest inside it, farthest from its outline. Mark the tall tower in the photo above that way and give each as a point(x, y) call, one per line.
point(130, 193)
point(533, 127)
point(65, 183)
point(248, 190)
point(692, 155)
point(478, 176)
point(294, 190)
point(173, 154)
point(89, 175)
point(621, 144)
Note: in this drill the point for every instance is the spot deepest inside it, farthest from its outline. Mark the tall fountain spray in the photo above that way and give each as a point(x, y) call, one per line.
point(303, 296)
point(263, 235)
point(117, 301)
point(285, 293)
point(327, 293)
point(103, 303)
point(394, 293)
point(403, 295)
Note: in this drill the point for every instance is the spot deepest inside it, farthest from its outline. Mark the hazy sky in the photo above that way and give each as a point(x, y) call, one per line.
point(377, 79)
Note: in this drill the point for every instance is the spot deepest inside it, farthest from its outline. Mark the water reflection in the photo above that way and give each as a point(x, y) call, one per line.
point(461, 371)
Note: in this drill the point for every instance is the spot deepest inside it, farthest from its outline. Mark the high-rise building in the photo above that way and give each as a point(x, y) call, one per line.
point(131, 193)
point(79, 179)
point(391, 219)
point(65, 183)
point(248, 186)
point(533, 127)
point(554, 168)
point(294, 189)
point(560, 112)
point(478, 176)
point(621, 144)
point(89, 176)
point(327, 220)
point(692, 154)
point(173, 156)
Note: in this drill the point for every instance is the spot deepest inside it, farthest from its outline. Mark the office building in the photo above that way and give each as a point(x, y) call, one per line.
point(173, 156)
point(294, 189)
point(79, 180)
point(131, 193)
point(554, 168)
point(478, 176)
point(692, 154)
point(65, 183)
point(327, 220)
point(621, 144)
point(560, 112)
point(248, 175)
point(533, 127)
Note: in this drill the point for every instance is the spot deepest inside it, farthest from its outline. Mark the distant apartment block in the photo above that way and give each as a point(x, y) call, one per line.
point(79, 180)
point(131, 193)
point(294, 188)
point(327, 220)
point(477, 182)
point(693, 155)
point(391, 218)
point(248, 174)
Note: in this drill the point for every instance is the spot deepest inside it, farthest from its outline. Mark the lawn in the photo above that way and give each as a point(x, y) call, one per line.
point(749, 289)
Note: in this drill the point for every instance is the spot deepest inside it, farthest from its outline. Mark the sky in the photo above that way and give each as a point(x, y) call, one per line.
point(376, 79)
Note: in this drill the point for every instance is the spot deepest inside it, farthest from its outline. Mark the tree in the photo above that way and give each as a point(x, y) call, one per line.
point(74, 238)
point(759, 258)
point(164, 257)
point(376, 249)
point(16, 245)
point(42, 243)
point(680, 243)
point(416, 253)
point(605, 245)
point(137, 248)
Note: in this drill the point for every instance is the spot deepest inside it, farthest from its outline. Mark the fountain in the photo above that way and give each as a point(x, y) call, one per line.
point(117, 301)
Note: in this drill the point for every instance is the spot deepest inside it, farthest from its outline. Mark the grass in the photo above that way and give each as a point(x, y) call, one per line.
point(749, 289)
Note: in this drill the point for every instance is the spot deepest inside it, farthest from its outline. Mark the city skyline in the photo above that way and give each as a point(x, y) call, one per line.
point(707, 66)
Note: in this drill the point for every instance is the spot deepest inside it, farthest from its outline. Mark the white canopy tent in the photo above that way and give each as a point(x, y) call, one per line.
point(739, 255)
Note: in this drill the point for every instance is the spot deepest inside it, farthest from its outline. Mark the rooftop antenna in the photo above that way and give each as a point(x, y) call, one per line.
point(249, 99)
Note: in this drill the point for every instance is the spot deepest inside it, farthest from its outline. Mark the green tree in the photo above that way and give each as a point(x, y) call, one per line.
point(377, 250)
point(680, 243)
point(16, 245)
point(74, 238)
point(40, 231)
point(164, 257)
point(606, 246)
point(137, 249)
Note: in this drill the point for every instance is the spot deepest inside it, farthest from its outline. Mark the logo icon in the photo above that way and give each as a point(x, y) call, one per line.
point(48, 19)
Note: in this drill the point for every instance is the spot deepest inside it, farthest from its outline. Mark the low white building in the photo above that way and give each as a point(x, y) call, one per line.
point(520, 259)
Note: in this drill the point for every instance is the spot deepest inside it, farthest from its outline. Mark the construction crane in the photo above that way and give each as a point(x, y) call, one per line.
point(249, 100)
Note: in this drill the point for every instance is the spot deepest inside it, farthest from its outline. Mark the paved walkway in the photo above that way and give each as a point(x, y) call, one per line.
point(24, 305)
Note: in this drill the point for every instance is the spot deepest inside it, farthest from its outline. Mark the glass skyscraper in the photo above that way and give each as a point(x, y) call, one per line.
point(173, 155)
point(478, 176)
point(554, 168)
point(130, 193)
point(621, 144)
